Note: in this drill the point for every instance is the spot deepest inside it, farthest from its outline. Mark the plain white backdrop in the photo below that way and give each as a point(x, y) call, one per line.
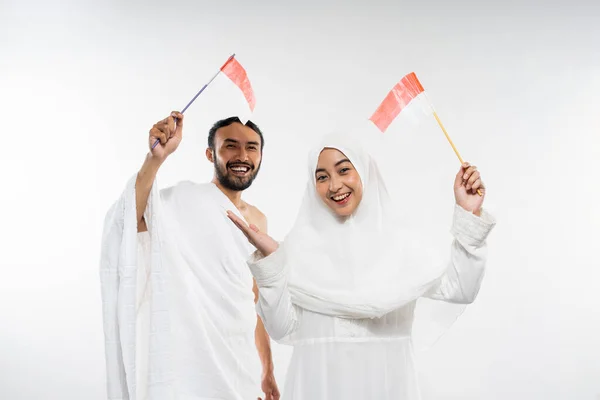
point(515, 82)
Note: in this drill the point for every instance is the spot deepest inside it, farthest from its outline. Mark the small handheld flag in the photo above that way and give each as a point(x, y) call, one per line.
point(397, 99)
point(237, 74)
point(234, 71)
point(401, 95)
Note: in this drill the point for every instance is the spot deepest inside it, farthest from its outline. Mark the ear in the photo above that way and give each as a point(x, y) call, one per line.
point(209, 154)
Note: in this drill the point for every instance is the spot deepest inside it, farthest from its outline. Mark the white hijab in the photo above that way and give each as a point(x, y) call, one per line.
point(364, 266)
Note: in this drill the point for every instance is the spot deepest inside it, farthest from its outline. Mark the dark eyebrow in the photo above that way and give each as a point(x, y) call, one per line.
point(236, 142)
point(341, 162)
point(336, 164)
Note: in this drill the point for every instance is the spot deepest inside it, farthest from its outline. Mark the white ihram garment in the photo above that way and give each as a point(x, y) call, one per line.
point(179, 315)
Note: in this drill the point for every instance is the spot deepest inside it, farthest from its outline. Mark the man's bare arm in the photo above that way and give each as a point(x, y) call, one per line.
point(262, 340)
point(143, 185)
point(169, 133)
point(261, 337)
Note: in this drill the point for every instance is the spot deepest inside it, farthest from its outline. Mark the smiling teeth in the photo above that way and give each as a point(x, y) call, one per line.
point(240, 169)
point(341, 197)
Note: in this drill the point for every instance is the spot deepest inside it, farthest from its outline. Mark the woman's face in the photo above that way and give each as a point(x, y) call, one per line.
point(338, 183)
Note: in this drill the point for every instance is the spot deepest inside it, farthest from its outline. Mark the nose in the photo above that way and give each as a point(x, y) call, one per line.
point(335, 184)
point(243, 154)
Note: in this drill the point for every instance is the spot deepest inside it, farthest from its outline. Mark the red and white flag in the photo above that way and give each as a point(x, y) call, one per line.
point(234, 71)
point(407, 92)
point(231, 93)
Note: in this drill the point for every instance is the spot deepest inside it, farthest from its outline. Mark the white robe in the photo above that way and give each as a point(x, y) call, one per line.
point(357, 359)
point(178, 307)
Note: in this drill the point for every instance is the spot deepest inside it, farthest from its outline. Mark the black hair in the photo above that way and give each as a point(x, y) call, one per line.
point(228, 121)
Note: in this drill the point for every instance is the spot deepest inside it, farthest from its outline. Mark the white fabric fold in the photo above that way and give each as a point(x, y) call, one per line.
point(178, 306)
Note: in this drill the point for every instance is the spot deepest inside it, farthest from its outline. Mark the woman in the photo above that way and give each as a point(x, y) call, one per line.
point(343, 286)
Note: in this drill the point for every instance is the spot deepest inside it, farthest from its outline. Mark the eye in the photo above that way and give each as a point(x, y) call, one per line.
point(344, 170)
point(321, 178)
point(230, 146)
point(253, 148)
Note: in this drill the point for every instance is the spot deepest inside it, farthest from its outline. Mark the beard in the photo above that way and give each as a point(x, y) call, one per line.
point(232, 182)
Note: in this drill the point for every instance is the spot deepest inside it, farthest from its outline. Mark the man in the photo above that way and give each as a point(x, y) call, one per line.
point(179, 314)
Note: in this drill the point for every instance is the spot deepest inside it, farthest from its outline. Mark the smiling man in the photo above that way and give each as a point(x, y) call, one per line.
point(184, 324)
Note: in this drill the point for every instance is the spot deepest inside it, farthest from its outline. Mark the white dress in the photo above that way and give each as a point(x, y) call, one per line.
point(336, 358)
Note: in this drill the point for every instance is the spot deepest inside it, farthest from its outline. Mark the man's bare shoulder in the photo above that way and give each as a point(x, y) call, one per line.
point(258, 218)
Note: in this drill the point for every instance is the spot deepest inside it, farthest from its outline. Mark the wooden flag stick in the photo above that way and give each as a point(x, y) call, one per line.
point(451, 144)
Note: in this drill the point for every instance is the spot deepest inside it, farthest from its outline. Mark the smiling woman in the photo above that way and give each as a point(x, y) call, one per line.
point(343, 286)
point(338, 182)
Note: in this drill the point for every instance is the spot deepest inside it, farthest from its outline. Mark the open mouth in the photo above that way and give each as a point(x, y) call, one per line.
point(240, 170)
point(341, 198)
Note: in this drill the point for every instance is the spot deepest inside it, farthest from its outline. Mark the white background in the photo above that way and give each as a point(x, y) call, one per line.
point(515, 82)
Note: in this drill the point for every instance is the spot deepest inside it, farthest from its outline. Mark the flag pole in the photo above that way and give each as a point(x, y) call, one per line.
point(450, 141)
point(201, 90)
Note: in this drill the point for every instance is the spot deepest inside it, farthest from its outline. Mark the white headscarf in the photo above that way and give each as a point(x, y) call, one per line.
point(364, 266)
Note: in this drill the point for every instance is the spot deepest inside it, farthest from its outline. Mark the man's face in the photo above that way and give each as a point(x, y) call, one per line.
point(237, 156)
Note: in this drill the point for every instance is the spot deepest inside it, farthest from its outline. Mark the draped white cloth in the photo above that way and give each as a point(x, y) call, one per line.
point(179, 317)
point(344, 293)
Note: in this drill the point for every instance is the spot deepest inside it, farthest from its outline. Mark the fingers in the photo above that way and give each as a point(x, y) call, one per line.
point(475, 185)
point(168, 127)
point(236, 220)
point(254, 228)
point(467, 176)
point(478, 186)
point(161, 130)
point(159, 134)
point(233, 217)
point(471, 179)
point(179, 122)
point(239, 223)
point(459, 180)
point(468, 171)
